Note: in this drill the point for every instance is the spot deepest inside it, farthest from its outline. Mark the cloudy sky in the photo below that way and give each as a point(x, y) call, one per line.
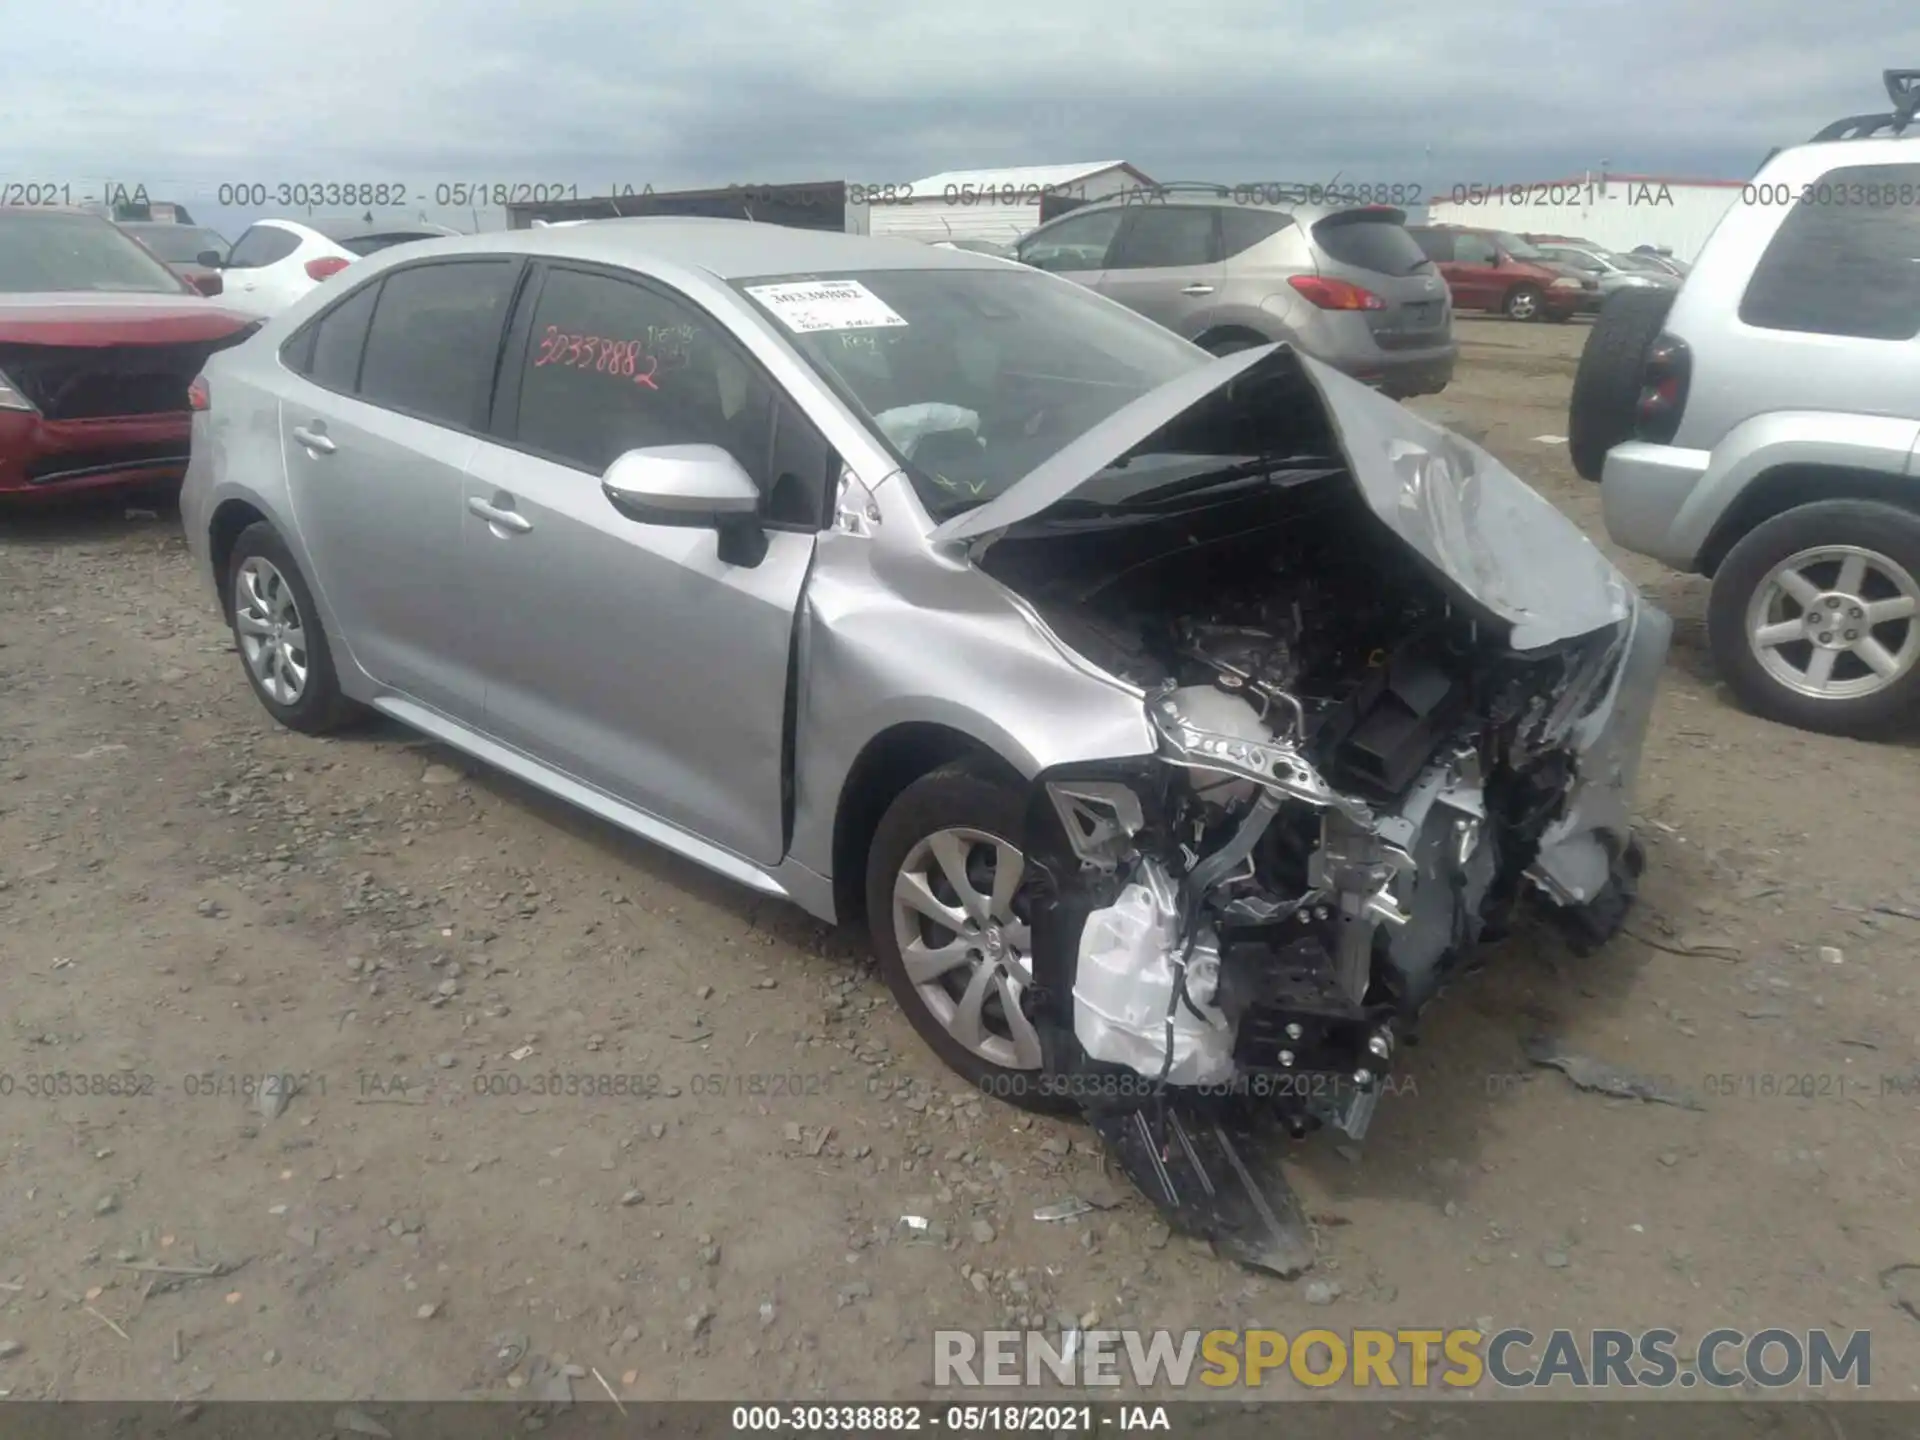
point(594, 93)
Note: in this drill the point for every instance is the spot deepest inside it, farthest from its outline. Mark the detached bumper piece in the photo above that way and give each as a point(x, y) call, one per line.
point(1212, 1169)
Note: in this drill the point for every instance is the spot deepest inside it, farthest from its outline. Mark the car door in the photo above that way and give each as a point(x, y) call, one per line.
point(393, 387)
point(1474, 273)
point(634, 657)
point(1166, 265)
point(1074, 246)
point(252, 278)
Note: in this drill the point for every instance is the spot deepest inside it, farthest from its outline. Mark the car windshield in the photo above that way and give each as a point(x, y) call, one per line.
point(1640, 262)
point(177, 244)
point(56, 251)
point(971, 377)
point(1517, 248)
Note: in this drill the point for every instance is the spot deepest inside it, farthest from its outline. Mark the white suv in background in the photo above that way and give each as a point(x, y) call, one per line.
point(277, 261)
point(1762, 427)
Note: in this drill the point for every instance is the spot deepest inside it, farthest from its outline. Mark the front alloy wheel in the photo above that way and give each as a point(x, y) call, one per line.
point(963, 944)
point(949, 897)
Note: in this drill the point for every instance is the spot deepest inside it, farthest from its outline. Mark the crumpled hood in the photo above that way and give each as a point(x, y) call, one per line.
point(1475, 522)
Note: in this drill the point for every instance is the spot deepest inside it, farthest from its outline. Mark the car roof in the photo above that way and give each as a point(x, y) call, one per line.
point(1304, 214)
point(726, 249)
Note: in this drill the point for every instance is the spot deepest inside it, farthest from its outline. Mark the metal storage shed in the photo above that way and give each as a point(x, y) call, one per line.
point(1000, 205)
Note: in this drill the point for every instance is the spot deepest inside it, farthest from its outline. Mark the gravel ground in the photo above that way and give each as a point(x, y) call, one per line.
point(193, 897)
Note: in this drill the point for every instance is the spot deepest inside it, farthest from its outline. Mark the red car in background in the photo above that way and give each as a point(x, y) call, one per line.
point(99, 344)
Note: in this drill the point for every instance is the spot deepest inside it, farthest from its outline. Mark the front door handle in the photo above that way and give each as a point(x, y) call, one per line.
point(1196, 290)
point(314, 440)
point(494, 515)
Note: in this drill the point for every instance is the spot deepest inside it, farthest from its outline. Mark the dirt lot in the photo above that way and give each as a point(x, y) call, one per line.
point(191, 896)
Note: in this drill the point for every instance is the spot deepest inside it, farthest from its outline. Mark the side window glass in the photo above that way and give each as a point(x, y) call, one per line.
point(340, 337)
point(614, 366)
point(1437, 245)
point(1241, 229)
point(435, 335)
point(802, 470)
point(1845, 260)
point(1077, 244)
point(1167, 238)
point(1473, 250)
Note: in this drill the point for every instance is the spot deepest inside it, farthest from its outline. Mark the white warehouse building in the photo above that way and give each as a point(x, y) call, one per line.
point(1618, 212)
point(997, 205)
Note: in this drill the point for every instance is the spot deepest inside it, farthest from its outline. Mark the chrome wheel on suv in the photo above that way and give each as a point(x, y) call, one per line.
point(1814, 617)
point(1835, 622)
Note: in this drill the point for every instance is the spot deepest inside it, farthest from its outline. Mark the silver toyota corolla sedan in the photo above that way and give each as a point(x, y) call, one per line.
point(1176, 724)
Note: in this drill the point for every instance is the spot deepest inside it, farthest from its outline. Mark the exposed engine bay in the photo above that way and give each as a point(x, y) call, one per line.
point(1354, 775)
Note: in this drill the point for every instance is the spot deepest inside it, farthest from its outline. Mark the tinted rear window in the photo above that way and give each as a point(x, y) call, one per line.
point(367, 244)
point(1846, 261)
point(1383, 246)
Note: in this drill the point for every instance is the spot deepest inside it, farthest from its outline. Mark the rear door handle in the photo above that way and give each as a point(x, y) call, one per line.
point(1196, 290)
point(314, 440)
point(494, 515)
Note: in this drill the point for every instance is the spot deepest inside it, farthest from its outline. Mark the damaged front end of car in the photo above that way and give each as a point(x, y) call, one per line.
point(1378, 726)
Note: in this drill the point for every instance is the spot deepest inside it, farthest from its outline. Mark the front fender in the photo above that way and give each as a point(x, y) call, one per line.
point(890, 639)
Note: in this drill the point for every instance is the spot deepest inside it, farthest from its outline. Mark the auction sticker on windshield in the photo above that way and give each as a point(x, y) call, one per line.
point(825, 305)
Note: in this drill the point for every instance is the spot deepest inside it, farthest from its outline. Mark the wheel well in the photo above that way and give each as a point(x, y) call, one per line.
point(1789, 486)
point(892, 761)
point(1231, 332)
point(229, 520)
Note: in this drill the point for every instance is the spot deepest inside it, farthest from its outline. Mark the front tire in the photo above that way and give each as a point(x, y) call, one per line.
point(277, 630)
point(947, 908)
point(1814, 618)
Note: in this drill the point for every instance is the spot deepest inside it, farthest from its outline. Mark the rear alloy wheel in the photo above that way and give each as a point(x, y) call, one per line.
point(1814, 617)
point(947, 904)
point(1523, 303)
point(276, 628)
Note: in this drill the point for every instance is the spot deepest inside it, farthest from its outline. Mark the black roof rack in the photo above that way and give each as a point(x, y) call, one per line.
point(1903, 88)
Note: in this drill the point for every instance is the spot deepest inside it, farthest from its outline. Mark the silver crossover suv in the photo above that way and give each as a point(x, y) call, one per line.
point(1176, 722)
point(1348, 286)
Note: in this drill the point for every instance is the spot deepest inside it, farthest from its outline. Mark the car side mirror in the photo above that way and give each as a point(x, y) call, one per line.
point(211, 259)
point(1499, 258)
point(695, 487)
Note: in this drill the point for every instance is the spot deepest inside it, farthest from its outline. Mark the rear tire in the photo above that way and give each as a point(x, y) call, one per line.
point(960, 818)
point(1522, 303)
point(1606, 388)
point(1844, 557)
point(1231, 343)
point(277, 631)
